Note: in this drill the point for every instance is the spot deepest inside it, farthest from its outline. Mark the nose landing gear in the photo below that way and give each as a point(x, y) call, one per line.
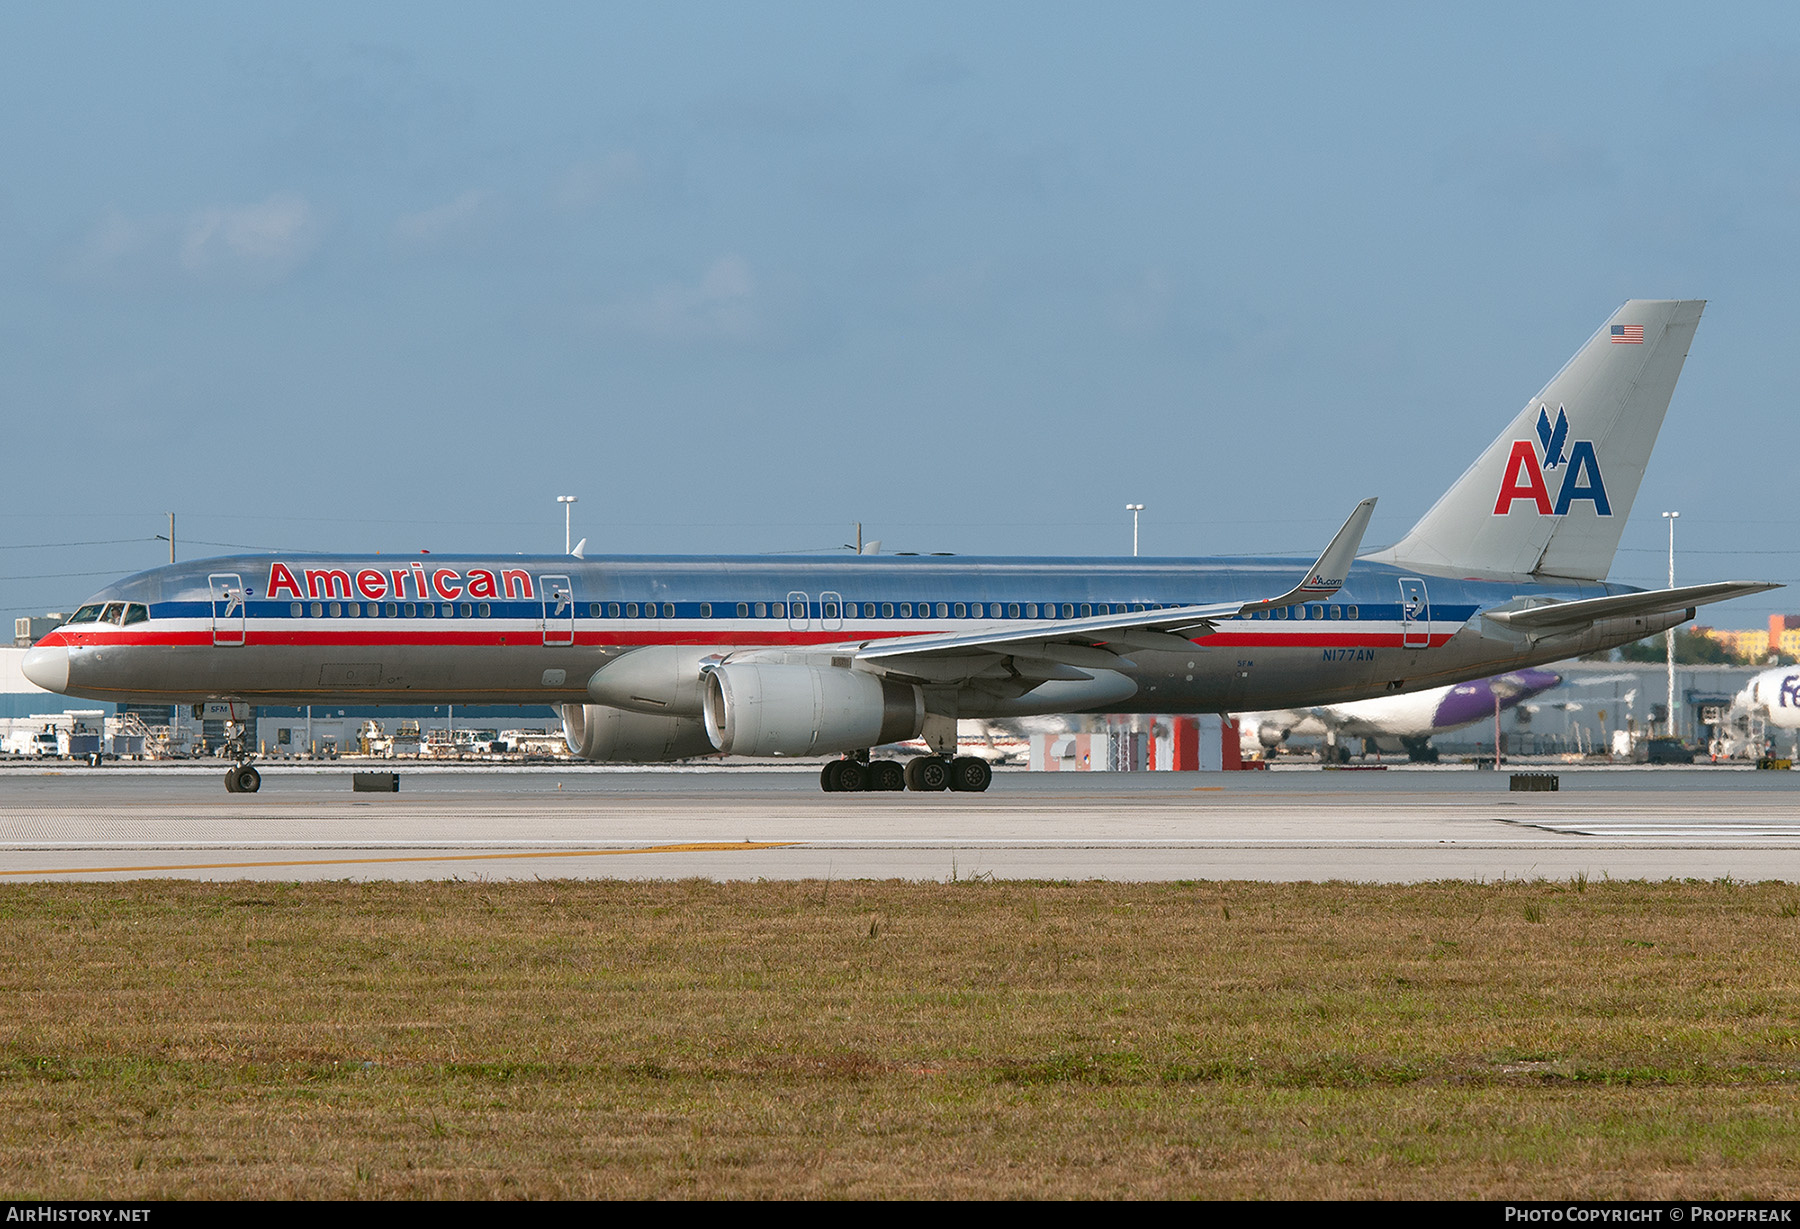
point(240, 778)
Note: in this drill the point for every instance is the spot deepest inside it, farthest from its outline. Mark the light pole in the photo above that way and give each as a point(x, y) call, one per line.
point(1669, 636)
point(1134, 509)
point(568, 503)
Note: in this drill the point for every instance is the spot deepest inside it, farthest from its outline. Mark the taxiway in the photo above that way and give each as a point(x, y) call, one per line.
point(722, 823)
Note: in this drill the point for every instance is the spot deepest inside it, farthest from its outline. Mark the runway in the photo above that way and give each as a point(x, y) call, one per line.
point(724, 823)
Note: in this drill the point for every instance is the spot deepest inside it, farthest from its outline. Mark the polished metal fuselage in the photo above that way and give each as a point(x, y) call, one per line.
point(533, 630)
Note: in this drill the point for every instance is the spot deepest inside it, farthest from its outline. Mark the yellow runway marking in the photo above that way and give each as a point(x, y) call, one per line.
point(696, 847)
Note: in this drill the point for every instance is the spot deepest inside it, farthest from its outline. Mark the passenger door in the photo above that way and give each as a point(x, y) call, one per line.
point(227, 608)
point(1415, 614)
point(559, 610)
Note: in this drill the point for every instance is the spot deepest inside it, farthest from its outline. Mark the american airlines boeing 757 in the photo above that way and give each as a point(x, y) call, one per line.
point(663, 658)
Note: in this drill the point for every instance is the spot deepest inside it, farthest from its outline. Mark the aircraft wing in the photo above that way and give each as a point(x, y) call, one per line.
point(1059, 649)
point(1563, 616)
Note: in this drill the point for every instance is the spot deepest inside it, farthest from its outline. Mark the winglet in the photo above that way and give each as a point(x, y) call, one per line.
point(1326, 576)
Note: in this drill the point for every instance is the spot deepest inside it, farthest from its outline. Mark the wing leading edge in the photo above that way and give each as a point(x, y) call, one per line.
point(1100, 642)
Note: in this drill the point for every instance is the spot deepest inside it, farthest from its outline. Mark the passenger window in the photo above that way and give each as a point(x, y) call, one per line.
point(1012, 610)
point(778, 609)
point(1087, 610)
point(337, 610)
point(962, 610)
point(1068, 610)
point(631, 610)
point(1281, 612)
point(318, 610)
point(668, 610)
point(294, 610)
point(411, 610)
point(427, 610)
point(612, 610)
point(830, 611)
point(762, 610)
point(887, 610)
point(468, 609)
point(1335, 612)
point(706, 610)
point(485, 609)
point(1031, 610)
point(943, 610)
point(743, 610)
point(354, 610)
point(1349, 612)
point(906, 610)
point(393, 608)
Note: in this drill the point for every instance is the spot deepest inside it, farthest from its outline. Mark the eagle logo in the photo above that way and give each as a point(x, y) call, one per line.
point(1552, 438)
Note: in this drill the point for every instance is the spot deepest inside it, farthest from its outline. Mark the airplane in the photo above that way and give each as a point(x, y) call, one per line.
point(657, 658)
point(1770, 700)
point(1773, 695)
point(1406, 722)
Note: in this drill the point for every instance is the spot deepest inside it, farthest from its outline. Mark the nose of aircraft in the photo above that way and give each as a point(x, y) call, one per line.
point(47, 666)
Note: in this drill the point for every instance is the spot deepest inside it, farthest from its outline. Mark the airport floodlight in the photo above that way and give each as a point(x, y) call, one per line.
point(1134, 509)
point(1669, 636)
point(567, 501)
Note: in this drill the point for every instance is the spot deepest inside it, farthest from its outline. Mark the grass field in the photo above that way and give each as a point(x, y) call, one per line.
point(173, 1039)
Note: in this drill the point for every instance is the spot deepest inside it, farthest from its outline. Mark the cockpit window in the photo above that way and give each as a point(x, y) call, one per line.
point(115, 613)
point(137, 612)
point(87, 614)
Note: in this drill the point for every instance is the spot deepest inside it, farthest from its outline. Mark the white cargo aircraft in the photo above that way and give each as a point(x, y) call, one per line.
point(662, 658)
point(1396, 722)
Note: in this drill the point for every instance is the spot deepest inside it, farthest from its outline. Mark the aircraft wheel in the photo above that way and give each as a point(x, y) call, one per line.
point(852, 776)
point(928, 774)
point(243, 780)
point(886, 775)
point(828, 776)
point(231, 781)
point(969, 775)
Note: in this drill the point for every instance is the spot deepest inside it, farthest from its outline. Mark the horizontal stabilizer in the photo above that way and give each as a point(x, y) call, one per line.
point(1562, 616)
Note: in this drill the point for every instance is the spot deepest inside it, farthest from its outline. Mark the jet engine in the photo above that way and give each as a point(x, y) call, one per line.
point(784, 709)
point(597, 732)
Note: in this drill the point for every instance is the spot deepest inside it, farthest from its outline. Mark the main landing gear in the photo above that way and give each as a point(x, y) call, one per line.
point(926, 774)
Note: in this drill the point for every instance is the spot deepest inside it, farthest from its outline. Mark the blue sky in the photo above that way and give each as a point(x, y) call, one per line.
point(393, 277)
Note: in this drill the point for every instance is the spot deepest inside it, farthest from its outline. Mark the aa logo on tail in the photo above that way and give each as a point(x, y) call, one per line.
point(1525, 469)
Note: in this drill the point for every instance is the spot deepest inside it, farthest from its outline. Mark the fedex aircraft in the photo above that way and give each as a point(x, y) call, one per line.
point(1772, 695)
point(663, 658)
point(1406, 721)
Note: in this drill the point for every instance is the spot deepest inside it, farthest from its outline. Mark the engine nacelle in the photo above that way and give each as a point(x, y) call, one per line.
point(596, 732)
point(660, 679)
point(778, 709)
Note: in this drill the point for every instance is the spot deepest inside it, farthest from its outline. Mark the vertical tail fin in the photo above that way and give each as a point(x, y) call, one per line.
point(1550, 496)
